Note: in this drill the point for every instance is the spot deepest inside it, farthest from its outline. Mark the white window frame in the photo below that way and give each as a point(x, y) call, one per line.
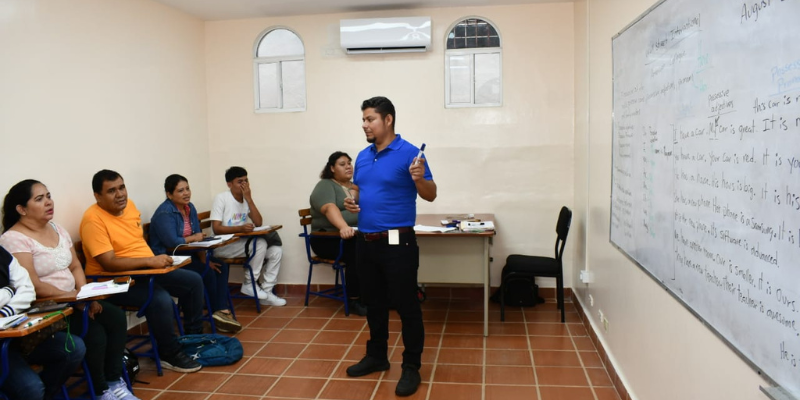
point(471, 53)
point(279, 60)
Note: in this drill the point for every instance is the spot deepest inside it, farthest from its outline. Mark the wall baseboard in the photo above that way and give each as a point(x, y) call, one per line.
point(601, 351)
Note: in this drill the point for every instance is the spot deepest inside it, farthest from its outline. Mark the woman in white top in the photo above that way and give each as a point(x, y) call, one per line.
point(46, 251)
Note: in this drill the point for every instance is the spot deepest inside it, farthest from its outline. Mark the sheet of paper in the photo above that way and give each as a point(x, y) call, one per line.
point(261, 228)
point(176, 260)
point(101, 288)
point(427, 228)
point(12, 321)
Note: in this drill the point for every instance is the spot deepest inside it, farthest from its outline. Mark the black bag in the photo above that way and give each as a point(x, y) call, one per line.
point(521, 290)
point(131, 363)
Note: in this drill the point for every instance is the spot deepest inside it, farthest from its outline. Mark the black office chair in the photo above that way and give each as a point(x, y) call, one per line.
point(526, 267)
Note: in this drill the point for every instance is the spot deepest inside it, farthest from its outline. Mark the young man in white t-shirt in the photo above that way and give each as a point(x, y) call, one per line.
point(234, 211)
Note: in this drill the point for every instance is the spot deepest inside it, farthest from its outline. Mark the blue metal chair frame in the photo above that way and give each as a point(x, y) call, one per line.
point(339, 289)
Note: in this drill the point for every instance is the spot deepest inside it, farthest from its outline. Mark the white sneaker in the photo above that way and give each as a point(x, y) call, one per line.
point(247, 290)
point(272, 300)
point(120, 391)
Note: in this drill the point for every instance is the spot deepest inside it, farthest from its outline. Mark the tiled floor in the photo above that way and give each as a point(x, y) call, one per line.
point(302, 352)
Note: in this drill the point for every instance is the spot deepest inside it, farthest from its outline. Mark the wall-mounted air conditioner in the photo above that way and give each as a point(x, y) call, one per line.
point(385, 35)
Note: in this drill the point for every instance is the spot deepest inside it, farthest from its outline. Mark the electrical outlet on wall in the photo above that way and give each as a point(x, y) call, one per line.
point(605, 324)
point(602, 316)
point(591, 301)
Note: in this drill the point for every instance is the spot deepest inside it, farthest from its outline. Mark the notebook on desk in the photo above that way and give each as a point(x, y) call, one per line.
point(177, 260)
point(12, 321)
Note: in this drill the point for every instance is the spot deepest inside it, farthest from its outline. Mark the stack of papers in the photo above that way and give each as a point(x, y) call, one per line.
point(12, 321)
point(211, 241)
point(426, 228)
point(100, 288)
point(467, 226)
point(261, 228)
point(177, 260)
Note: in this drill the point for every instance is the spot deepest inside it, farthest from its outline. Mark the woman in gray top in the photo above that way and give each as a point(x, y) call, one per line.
point(329, 215)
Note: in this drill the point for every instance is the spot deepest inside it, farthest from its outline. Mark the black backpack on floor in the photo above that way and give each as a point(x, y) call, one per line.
point(521, 291)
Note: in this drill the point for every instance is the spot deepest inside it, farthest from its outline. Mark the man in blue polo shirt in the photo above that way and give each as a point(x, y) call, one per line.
point(389, 176)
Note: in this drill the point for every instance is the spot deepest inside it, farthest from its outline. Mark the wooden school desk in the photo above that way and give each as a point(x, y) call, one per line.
point(456, 257)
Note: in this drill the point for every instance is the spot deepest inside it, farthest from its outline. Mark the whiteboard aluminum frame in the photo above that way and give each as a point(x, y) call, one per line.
point(775, 393)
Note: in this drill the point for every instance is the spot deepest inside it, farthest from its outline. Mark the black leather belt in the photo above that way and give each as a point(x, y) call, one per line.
point(369, 237)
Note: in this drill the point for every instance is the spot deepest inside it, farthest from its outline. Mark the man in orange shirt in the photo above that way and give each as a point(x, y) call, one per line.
point(113, 241)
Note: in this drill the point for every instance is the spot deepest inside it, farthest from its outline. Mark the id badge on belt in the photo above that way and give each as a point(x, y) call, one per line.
point(394, 237)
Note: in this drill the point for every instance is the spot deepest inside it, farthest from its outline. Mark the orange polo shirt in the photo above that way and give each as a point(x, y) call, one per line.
point(102, 232)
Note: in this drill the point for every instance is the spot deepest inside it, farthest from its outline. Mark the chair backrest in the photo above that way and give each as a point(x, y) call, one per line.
point(562, 230)
point(205, 222)
point(79, 252)
point(305, 222)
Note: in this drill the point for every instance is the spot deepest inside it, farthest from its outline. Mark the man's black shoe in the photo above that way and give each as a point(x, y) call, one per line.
point(357, 308)
point(367, 365)
point(180, 362)
point(408, 383)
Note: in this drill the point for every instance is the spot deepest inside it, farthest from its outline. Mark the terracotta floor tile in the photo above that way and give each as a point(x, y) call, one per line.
point(590, 359)
point(507, 328)
point(465, 316)
point(577, 329)
point(553, 316)
point(458, 373)
point(548, 329)
point(598, 377)
point(507, 342)
point(340, 372)
point(315, 312)
point(508, 357)
point(256, 335)
point(507, 392)
point(583, 343)
point(349, 324)
point(252, 348)
point(335, 337)
point(561, 376)
point(284, 312)
point(460, 356)
point(220, 396)
point(200, 381)
point(252, 385)
point(324, 351)
point(551, 343)
point(434, 315)
point(434, 327)
point(606, 393)
point(269, 323)
point(307, 323)
point(462, 341)
point(464, 328)
point(299, 388)
point(510, 375)
point(311, 368)
point(170, 395)
point(552, 358)
point(265, 366)
point(565, 393)
point(281, 350)
point(348, 390)
point(294, 336)
point(428, 354)
point(455, 391)
point(386, 392)
point(393, 374)
point(145, 394)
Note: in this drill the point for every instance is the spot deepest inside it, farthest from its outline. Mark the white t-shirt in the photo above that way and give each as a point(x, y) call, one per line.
point(229, 211)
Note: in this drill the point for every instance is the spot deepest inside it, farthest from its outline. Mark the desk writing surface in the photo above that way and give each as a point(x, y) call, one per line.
point(23, 330)
point(259, 233)
point(451, 257)
point(148, 271)
point(436, 220)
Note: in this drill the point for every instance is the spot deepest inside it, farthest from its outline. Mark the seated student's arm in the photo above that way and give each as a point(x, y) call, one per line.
point(77, 270)
point(254, 215)
point(19, 294)
point(162, 226)
point(112, 263)
point(43, 289)
point(334, 216)
point(220, 229)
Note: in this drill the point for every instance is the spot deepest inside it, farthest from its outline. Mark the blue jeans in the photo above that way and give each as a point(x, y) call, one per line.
point(58, 364)
point(216, 283)
point(388, 275)
point(186, 286)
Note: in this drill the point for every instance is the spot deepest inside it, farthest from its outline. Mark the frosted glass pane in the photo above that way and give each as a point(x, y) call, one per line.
point(269, 88)
point(460, 79)
point(280, 42)
point(294, 84)
point(487, 78)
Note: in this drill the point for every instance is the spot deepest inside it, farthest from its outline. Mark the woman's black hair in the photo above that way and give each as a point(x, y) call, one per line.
point(326, 172)
point(18, 195)
point(172, 182)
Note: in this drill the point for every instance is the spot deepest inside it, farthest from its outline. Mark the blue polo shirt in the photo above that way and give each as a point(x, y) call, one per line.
point(387, 194)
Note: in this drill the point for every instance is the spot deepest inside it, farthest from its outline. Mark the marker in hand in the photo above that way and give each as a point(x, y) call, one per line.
point(419, 155)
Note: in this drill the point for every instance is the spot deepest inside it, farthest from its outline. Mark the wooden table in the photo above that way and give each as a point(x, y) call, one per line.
point(6, 336)
point(469, 251)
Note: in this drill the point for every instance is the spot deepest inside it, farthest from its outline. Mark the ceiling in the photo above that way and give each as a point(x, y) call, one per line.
point(214, 10)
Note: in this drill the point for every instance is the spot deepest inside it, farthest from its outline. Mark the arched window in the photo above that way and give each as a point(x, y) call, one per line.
point(473, 65)
point(280, 71)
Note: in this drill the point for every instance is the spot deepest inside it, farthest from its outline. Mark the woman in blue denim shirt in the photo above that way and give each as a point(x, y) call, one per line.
point(175, 223)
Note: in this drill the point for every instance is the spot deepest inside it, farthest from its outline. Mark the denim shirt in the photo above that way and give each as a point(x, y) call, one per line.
point(166, 226)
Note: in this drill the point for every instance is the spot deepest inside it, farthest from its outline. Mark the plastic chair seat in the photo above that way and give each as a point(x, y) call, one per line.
point(536, 265)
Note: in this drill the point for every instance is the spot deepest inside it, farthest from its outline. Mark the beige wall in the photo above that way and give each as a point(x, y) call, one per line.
point(660, 350)
point(93, 84)
point(515, 160)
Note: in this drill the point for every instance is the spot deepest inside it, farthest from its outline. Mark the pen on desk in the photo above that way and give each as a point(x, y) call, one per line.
point(419, 155)
point(34, 322)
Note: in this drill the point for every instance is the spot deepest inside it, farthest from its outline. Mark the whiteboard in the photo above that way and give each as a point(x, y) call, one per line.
point(706, 167)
